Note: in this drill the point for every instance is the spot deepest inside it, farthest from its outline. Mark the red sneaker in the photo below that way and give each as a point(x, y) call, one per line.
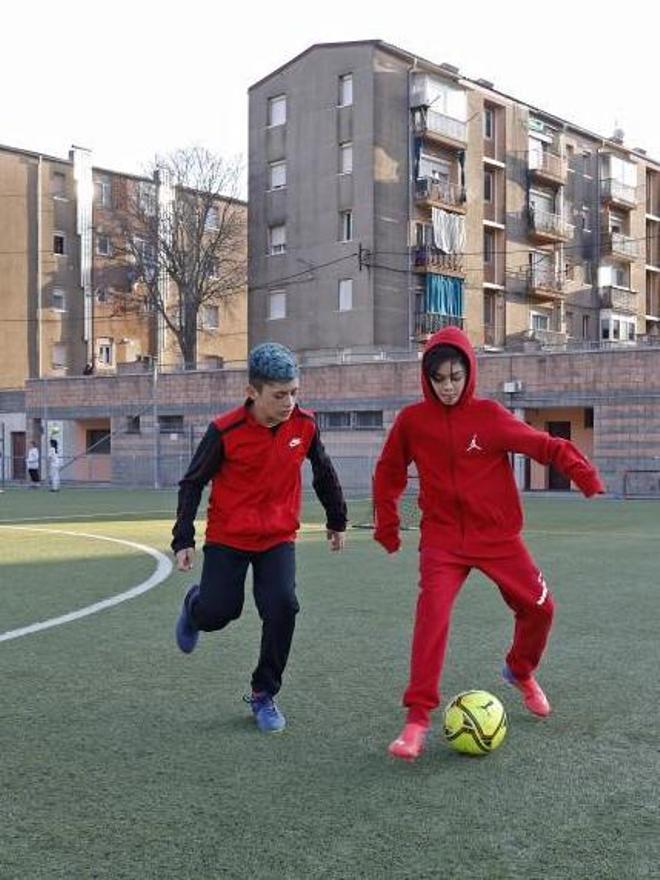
point(410, 742)
point(533, 697)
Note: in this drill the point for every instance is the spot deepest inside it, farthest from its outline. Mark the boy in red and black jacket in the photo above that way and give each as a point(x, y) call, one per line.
point(253, 456)
point(471, 517)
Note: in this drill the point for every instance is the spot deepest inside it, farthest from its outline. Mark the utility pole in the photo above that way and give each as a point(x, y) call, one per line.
point(156, 443)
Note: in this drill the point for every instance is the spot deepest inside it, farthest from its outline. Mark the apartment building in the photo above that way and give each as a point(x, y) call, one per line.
point(68, 299)
point(71, 303)
point(390, 196)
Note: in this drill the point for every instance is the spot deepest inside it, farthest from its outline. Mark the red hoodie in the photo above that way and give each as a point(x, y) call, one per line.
point(467, 494)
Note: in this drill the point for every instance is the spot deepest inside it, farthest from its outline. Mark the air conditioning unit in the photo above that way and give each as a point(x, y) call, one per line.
point(512, 387)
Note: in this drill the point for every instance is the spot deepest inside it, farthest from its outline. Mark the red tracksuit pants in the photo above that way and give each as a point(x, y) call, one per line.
point(442, 575)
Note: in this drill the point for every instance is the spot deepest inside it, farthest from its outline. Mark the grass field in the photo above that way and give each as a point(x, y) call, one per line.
point(122, 758)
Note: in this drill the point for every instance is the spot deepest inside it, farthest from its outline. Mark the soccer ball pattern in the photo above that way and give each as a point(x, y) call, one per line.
point(475, 722)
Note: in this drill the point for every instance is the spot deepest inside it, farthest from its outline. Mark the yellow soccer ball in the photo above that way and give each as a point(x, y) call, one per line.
point(475, 722)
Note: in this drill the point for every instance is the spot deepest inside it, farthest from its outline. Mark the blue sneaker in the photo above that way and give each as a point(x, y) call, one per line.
point(266, 713)
point(187, 634)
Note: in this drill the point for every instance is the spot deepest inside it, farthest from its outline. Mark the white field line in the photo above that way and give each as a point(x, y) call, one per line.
point(163, 569)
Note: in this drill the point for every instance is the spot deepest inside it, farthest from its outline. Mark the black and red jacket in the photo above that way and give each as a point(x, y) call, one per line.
point(467, 493)
point(255, 474)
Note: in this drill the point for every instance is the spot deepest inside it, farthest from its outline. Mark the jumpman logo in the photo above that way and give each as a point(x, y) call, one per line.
point(474, 445)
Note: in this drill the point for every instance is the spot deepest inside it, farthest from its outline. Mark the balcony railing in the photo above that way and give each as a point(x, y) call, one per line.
point(432, 122)
point(427, 323)
point(548, 165)
point(545, 224)
point(430, 257)
point(622, 193)
point(620, 245)
point(619, 298)
point(427, 189)
point(544, 281)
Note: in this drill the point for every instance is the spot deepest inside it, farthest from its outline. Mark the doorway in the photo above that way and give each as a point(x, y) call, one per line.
point(557, 482)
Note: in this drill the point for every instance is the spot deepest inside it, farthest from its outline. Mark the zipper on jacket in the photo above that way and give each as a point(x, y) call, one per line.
point(452, 470)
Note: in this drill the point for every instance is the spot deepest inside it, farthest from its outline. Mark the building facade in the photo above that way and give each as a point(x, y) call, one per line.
point(70, 304)
point(390, 196)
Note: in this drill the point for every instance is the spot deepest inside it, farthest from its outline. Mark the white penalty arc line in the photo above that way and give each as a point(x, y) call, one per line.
point(163, 569)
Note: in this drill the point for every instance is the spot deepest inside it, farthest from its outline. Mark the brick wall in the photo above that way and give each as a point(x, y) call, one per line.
point(622, 387)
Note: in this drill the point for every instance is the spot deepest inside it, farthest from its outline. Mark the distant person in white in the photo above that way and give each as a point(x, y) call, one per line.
point(33, 465)
point(54, 466)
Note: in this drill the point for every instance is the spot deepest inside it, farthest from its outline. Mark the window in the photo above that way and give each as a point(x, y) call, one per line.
point(277, 175)
point(586, 218)
point(58, 299)
point(58, 185)
point(539, 321)
point(145, 254)
point(369, 419)
point(345, 294)
point(211, 317)
point(105, 353)
point(58, 355)
point(344, 420)
point(277, 110)
point(434, 167)
point(103, 246)
point(587, 273)
point(488, 186)
point(586, 329)
point(132, 424)
point(104, 192)
point(277, 240)
point(346, 90)
point(346, 158)
point(489, 246)
point(170, 424)
point(147, 198)
point(59, 243)
point(489, 309)
point(276, 305)
point(489, 123)
point(621, 275)
point(334, 420)
point(345, 225)
point(98, 441)
point(588, 417)
point(212, 219)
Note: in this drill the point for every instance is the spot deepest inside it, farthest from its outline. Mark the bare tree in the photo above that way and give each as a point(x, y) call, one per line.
point(184, 242)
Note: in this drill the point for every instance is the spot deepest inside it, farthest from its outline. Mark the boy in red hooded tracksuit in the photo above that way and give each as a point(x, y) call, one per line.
point(471, 517)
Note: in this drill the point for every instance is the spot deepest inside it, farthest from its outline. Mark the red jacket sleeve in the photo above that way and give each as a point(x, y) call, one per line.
point(517, 436)
point(389, 481)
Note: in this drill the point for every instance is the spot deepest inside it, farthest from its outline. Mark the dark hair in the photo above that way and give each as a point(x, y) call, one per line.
point(53, 443)
point(440, 354)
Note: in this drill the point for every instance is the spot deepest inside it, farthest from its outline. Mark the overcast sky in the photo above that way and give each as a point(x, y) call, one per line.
point(130, 79)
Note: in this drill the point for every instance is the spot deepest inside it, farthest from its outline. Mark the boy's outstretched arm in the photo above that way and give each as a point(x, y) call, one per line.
point(205, 463)
point(389, 481)
point(561, 454)
point(329, 492)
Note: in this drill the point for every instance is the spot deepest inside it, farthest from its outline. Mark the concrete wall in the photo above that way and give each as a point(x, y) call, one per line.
point(621, 386)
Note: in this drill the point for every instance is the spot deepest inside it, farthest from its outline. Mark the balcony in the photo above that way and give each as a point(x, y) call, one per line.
point(547, 227)
point(428, 323)
point(428, 258)
point(439, 128)
point(440, 194)
point(617, 193)
point(616, 244)
point(548, 167)
point(544, 284)
point(619, 298)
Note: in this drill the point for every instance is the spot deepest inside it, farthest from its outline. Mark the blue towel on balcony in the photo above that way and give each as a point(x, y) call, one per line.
point(443, 295)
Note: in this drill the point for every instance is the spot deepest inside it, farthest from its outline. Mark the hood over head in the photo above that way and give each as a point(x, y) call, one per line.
point(457, 338)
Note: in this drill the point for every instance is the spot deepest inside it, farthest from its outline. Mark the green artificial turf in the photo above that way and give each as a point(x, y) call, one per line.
point(122, 758)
